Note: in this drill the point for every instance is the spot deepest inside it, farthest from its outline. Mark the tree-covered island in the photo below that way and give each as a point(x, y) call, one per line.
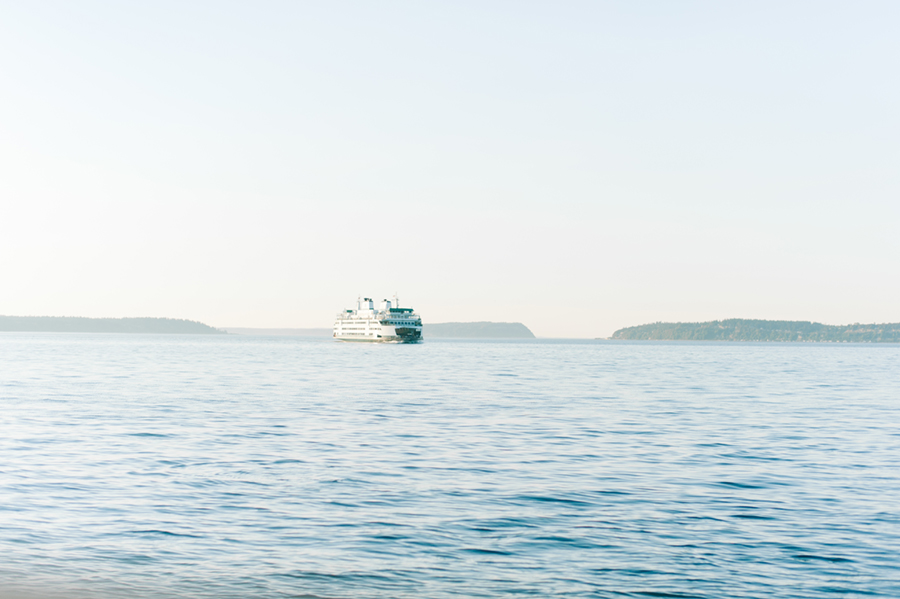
point(739, 329)
point(78, 324)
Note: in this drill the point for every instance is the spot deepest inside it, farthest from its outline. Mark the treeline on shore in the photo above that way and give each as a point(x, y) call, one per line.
point(79, 324)
point(739, 329)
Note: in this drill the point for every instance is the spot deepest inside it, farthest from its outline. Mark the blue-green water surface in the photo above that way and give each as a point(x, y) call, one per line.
point(253, 467)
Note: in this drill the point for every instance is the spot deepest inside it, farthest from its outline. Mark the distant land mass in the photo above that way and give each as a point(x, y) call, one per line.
point(442, 330)
point(77, 324)
point(739, 329)
point(274, 332)
point(479, 330)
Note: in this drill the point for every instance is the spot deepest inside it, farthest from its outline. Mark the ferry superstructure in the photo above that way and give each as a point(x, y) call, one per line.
point(387, 324)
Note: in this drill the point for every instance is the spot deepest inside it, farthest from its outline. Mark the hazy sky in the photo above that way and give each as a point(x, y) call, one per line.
point(576, 166)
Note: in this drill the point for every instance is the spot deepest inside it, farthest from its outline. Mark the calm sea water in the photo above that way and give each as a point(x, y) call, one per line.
point(190, 466)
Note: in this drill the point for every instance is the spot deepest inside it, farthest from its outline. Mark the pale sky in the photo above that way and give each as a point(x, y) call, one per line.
point(575, 166)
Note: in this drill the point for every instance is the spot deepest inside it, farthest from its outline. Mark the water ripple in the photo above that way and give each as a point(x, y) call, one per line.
point(180, 466)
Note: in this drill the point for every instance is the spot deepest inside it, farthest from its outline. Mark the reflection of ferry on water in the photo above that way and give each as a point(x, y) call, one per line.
point(388, 324)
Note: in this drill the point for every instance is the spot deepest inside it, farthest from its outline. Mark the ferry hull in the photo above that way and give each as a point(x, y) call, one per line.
point(387, 340)
point(379, 339)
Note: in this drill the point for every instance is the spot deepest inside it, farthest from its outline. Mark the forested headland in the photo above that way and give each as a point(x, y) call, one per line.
point(78, 324)
point(739, 329)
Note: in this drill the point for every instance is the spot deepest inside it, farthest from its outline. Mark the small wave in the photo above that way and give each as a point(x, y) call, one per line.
point(549, 499)
point(737, 485)
point(164, 533)
point(824, 558)
point(485, 551)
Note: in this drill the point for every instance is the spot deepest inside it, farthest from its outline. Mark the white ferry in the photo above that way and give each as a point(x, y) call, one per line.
point(388, 324)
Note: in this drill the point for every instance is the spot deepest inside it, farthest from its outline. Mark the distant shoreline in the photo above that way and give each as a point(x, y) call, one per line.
point(277, 332)
point(738, 329)
point(441, 330)
point(149, 325)
point(80, 324)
